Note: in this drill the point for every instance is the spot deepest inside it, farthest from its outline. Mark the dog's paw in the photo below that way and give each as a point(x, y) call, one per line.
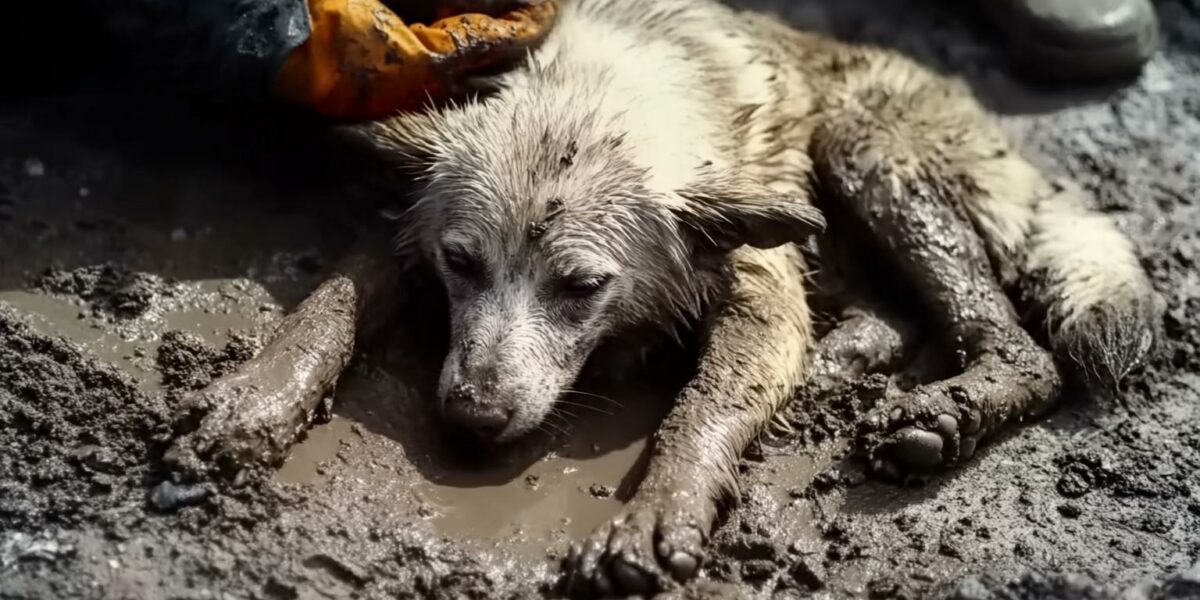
point(243, 419)
point(919, 431)
point(653, 545)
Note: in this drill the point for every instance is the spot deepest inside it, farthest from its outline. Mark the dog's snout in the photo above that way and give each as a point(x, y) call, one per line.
point(464, 408)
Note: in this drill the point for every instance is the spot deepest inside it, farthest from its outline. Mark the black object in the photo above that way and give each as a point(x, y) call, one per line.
point(1078, 40)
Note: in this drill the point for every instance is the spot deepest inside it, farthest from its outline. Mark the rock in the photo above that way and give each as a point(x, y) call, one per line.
point(601, 491)
point(168, 496)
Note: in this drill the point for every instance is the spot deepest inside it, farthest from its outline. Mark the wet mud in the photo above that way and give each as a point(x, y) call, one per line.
point(137, 266)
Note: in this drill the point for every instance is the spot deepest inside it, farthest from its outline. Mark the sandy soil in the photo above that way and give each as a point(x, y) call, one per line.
point(149, 241)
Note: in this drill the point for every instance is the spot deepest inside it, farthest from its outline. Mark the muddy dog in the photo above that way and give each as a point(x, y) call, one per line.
point(658, 166)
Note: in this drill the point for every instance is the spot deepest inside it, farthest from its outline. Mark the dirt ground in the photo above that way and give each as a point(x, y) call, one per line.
point(148, 242)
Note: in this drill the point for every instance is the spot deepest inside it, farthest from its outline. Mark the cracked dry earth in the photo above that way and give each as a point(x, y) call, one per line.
point(148, 251)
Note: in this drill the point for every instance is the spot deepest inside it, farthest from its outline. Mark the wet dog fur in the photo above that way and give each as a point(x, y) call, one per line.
point(665, 165)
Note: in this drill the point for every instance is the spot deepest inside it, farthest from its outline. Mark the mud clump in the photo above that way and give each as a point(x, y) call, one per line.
point(70, 424)
point(1033, 585)
point(83, 430)
point(601, 491)
point(109, 291)
point(186, 362)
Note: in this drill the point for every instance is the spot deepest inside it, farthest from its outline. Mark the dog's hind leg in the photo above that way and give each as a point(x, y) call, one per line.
point(894, 178)
point(253, 415)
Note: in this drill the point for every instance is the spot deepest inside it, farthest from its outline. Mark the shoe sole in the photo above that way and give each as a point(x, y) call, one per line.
point(1088, 63)
point(1081, 59)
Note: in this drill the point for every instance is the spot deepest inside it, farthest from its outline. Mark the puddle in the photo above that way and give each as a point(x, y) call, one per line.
point(206, 309)
point(384, 444)
point(538, 493)
point(383, 451)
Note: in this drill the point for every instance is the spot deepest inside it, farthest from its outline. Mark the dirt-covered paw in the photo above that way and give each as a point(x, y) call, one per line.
point(224, 427)
point(919, 432)
point(649, 547)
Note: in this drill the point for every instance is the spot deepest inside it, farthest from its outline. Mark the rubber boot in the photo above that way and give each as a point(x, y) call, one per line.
point(1078, 40)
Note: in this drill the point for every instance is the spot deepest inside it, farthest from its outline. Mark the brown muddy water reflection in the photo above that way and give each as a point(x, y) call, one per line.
point(527, 498)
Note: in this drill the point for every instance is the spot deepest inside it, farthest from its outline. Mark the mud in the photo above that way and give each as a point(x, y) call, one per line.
point(144, 253)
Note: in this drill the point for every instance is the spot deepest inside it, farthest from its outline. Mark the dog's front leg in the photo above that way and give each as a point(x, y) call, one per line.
point(751, 364)
point(253, 415)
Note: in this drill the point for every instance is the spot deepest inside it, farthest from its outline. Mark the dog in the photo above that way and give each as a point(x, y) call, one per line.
point(657, 167)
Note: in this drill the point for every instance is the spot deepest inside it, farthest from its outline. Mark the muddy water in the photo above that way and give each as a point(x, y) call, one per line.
point(384, 441)
point(527, 498)
point(209, 309)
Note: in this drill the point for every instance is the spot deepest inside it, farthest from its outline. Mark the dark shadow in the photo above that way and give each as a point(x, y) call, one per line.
point(128, 146)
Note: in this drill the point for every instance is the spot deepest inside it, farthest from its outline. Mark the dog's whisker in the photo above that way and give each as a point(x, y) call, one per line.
point(587, 406)
point(597, 396)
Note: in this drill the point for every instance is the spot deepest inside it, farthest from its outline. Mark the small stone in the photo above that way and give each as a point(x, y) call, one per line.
point(179, 234)
point(98, 460)
point(169, 496)
point(84, 192)
point(601, 491)
point(532, 482)
point(34, 167)
point(1073, 485)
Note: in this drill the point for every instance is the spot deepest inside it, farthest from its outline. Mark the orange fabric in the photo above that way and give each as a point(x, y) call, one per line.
point(362, 61)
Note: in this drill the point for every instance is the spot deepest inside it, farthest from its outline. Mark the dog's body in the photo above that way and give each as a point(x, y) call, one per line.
point(654, 164)
point(669, 153)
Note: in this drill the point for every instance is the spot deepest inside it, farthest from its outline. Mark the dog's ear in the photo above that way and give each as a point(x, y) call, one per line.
point(385, 159)
point(406, 142)
point(729, 210)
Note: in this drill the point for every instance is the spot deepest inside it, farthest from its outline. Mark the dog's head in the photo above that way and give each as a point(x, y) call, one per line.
point(553, 230)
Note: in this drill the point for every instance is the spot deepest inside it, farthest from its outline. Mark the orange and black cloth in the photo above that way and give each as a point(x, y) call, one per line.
point(350, 59)
point(363, 61)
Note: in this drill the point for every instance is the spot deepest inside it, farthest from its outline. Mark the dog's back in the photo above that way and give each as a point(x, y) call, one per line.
point(762, 90)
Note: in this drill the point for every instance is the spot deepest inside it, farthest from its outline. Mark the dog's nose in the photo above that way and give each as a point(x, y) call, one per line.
point(464, 409)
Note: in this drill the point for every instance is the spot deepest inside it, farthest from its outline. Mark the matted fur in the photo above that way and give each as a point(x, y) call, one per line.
point(644, 140)
point(654, 165)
